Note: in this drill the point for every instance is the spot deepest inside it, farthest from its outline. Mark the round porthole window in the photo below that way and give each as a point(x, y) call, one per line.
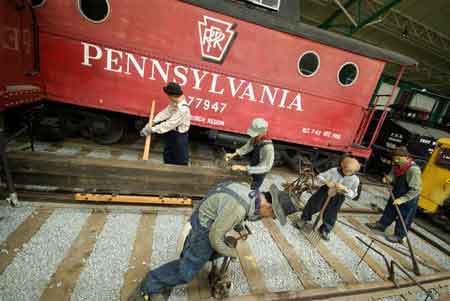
point(94, 10)
point(37, 3)
point(348, 73)
point(308, 63)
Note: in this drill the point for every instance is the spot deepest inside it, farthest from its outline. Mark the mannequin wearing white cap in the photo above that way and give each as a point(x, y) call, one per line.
point(261, 151)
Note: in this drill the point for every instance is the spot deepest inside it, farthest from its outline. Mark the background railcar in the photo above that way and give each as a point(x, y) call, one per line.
point(233, 61)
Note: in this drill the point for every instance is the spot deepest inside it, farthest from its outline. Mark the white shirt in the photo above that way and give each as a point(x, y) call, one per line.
point(176, 116)
point(350, 182)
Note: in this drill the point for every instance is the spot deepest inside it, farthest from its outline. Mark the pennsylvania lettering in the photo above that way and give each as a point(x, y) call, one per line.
point(205, 81)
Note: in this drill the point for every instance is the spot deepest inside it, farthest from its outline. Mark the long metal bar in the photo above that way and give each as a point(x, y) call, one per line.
point(375, 15)
point(391, 266)
point(411, 250)
point(388, 103)
point(365, 253)
point(369, 247)
point(393, 263)
point(379, 241)
point(327, 23)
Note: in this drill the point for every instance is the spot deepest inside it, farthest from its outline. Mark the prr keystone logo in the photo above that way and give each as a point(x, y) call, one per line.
point(216, 37)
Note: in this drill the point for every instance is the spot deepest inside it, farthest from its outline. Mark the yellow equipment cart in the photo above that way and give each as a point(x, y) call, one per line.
point(435, 194)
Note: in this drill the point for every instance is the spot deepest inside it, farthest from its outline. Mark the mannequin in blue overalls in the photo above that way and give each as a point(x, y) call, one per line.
point(173, 123)
point(261, 152)
point(406, 180)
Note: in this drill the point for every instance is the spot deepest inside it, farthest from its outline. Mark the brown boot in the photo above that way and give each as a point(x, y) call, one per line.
point(138, 295)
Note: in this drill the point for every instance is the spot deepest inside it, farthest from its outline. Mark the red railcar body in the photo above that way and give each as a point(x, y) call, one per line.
point(19, 83)
point(230, 70)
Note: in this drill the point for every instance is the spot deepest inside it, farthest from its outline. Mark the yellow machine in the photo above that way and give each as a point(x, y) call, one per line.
point(435, 194)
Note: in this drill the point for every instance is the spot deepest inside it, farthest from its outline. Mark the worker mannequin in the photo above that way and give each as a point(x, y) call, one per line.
point(261, 150)
point(174, 122)
point(344, 183)
point(223, 207)
point(407, 183)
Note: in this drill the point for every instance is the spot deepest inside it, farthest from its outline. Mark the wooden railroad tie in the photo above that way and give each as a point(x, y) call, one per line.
point(110, 198)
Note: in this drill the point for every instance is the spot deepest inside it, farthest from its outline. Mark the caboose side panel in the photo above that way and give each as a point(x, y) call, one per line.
point(18, 81)
point(122, 64)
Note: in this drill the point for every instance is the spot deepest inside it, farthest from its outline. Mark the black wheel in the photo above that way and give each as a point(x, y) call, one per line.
point(49, 127)
point(107, 130)
point(278, 160)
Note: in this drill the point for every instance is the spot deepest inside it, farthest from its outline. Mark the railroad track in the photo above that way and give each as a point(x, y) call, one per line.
point(55, 249)
point(86, 252)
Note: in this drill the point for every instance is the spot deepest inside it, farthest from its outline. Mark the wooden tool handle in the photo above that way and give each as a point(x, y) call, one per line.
point(148, 139)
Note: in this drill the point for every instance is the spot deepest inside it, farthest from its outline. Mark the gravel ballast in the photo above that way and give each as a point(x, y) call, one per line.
point(272, 179)
point(40, 146)
point(350, 260)
point(30, 271)
point(165, 237)
point(68, 151)
point(423, 269)
point(278, 274)
point(319, 269)
point(99, 155)
point(238, 279)
point(432, 237)
point(11, 218)
point(438, 256)
point(128, 156)
point(102, 277)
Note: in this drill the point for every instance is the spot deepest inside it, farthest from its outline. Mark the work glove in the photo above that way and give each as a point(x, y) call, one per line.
point(399, 201)
point(239, 168)
point(341, 187)
point(229, 156)
point(330, 184)
point(146, 131)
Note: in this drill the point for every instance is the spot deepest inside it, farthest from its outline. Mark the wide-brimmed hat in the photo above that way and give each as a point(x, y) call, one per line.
point(283, 204)
point(173, 89)
point(258, 127)
point(401, 151)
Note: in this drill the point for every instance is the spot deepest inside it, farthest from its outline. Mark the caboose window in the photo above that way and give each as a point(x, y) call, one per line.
point(94, 10)
point(443, 159)
point(348, 73)
point(308, 63)
point(272, 4)
point(37, 3)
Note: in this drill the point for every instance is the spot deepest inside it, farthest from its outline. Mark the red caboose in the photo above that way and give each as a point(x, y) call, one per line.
point(234, 63)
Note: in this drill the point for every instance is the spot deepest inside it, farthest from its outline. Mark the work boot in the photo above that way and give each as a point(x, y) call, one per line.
point(395, 239)
point(376, 227)
point(325, 235)
point(138, 295)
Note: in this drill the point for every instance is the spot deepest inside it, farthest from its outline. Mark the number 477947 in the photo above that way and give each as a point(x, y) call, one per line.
point(206, 105)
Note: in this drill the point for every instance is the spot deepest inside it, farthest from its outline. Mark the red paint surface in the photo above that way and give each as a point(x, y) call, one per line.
point(16, 54)
point(168, 31)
